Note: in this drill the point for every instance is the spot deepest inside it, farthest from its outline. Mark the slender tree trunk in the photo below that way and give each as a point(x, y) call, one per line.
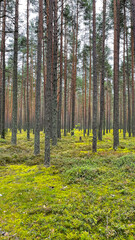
point(128, 85)
point(85, 115)
point(133, 19)
point(107, 109)
point(65, 82)
point(133, 98)
point(38, 80)
point(21, 101)
point(28, 110)
point(74, 73)
point(116, 75)
point(0, 73)
point(73, 80)
point(14, 113)
point(61, 73)
point(44, 74)
point(124, 81)
point(3, 75)
point(89, 108)
point(94, 147)
point(103, 75)
point(48, 84)
point(54, 84)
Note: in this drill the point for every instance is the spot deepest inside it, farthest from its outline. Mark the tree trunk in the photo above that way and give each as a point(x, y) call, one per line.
point(128, 85)
point(116, 75)
point(94, 147)
point(3, 75)
point(65, 82)
point(89, 108)
point(15, 90)
point(124, 80)
point(133, 19)
point(38, 81)
point(54, 83)
point(28, 111)
point(133, 98)
point(103, 75)
point(61, 73)
point(48, 84)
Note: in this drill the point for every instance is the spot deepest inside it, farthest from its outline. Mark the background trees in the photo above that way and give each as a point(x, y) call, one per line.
point(59, 78)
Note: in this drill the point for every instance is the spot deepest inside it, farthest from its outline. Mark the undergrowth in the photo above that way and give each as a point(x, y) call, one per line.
point(81, 196)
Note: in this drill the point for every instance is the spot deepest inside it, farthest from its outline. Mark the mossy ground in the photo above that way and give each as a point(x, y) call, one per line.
point(81, 196)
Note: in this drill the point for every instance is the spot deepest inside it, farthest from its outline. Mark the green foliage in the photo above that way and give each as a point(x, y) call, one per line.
point(82, 196)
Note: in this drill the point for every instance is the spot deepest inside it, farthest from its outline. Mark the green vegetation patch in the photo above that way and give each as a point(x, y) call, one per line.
point(81, 196)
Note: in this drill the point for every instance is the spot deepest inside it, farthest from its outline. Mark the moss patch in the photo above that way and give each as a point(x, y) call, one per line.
point(81, 196)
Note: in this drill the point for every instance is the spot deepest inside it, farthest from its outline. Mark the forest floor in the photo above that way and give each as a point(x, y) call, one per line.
point(81, 196)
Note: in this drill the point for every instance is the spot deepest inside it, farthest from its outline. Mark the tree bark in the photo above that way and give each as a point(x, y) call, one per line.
point(48, 84)
point(54, 83)
point(15, 90)
point(94, 146)
point(28, 110)
point(124, 80)
point(3, 74)
point(103, 75)
point(61, 73)
point(65, 82)
point(116, 75)
point(38, 81)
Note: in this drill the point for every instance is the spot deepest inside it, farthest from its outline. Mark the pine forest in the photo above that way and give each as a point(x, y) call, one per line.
point(67, 119)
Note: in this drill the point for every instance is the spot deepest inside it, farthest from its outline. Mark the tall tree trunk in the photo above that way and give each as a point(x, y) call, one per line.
point(128, 85)
point(44, 74)
point(133, 98)
point(85, 115)
point(48, 84)
point(65, 82)
point(124, 80)
point(54, 83)
point(21, 101)
point(38, 81)
point(94, 147)
point(133, 19)
point(15, 90)
point(74, 71)
point(116, 75)
point(107, 109)
point(3, 75)
point(89, 107)
point(103, 75)
point(61, 73)
point(28, 110)
point(0, 72)
point(73, 77)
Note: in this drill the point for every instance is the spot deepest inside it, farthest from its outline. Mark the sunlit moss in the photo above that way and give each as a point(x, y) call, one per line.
point(81, 196)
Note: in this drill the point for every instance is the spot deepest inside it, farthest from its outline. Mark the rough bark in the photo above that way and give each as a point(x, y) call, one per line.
point(103, 75)
point(28, 110)
point(124, 81)
point(89, 107)
point(54, 83)
point(133, 98)
point(3, 74)
point(38, 81)
point(61, 73)
point(128, 85)
point(65, 82)
point(48, 84)
point(15, 90)
point(116, 75)
point(94, 146)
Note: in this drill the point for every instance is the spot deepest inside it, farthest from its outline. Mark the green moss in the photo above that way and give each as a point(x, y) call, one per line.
point(81, 196)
